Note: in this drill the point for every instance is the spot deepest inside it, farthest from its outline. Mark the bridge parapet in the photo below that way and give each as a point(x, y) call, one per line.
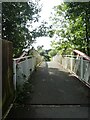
point(23, 68)
point(77, 65)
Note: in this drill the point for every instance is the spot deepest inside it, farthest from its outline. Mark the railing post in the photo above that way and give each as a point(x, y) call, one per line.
point(81, 68)
point(26, 70)
point(66, 62)
point(14, 72)
point(87, 73)
point(71, 63)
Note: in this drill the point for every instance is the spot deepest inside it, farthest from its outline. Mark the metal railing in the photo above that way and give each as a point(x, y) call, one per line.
point(77, 65)
point(22, 70)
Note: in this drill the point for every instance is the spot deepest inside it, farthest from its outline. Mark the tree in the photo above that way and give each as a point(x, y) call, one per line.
point(82, 21)
point(43, 52)
point(60, 31)
point(17, 18)
point(72, 27)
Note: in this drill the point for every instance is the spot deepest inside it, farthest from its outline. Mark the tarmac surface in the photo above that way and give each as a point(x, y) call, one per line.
point(56, 94)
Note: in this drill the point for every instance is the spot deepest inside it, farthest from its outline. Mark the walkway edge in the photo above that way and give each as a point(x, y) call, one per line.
point(71, 72)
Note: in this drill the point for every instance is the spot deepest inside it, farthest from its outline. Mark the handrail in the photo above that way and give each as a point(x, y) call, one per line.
point(21, 58)
point(77, 65)
point(82, 54)
point(26, 67)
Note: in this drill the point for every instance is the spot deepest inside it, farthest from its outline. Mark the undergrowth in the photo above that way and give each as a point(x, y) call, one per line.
point(24, 92)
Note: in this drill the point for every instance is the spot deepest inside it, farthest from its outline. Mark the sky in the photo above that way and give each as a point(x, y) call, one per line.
point(45, 14)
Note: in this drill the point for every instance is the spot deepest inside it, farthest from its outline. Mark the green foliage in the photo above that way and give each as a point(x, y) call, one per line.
point(71, 26)
point(44, 53)
point(62, 48)
point(52, 53)
point(23, 92)
point(17, 19)
point(81, 24)
point(14, 19)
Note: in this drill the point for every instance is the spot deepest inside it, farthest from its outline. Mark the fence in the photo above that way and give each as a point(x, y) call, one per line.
point(23, 70)
point(77, 65)
point(14, 73)
point(8, 92)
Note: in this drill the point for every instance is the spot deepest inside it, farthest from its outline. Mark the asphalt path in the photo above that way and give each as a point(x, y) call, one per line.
point(56, 94)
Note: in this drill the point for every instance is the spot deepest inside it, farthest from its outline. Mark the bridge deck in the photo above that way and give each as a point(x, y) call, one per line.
point(56, 94)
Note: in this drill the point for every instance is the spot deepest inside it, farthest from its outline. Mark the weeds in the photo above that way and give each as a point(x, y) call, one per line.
point(23, 92)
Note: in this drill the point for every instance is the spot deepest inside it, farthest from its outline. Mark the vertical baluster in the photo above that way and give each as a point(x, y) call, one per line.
point(14, 72)
point(81, 76)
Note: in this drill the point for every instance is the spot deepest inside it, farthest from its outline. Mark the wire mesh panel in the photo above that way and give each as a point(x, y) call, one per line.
point(73, 64)
point(24, 70)
point(77, 65)
point(68, 63)
point(86, 71)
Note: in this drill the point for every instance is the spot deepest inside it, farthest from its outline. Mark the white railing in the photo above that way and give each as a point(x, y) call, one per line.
point(23, 70)
point(77, 65)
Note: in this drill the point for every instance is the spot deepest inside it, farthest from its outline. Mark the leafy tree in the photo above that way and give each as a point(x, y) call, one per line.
point(43, 52)
point(81, 21)
point(54, 50)
point(52, 53)
point(17, 18)
point(60, 31)
point(71, 25)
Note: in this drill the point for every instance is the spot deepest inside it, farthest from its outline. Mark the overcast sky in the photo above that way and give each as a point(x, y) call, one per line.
point(45, 14)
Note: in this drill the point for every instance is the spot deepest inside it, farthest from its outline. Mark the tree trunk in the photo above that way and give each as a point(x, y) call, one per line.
point(87, 33)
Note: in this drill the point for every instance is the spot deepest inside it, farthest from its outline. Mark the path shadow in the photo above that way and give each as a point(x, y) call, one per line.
point(55, 86)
